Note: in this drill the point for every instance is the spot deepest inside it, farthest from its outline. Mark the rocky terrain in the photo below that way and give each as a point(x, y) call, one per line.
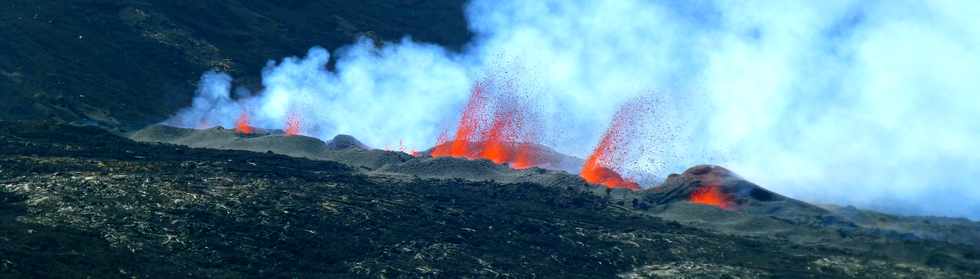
point(91, 187)
point(80, 201)
point(753, 209)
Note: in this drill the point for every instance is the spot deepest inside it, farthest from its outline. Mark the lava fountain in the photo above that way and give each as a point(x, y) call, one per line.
point(292, 125)
point(466, 131)
point(494, 126)
point(241, 125)
point(611, 152)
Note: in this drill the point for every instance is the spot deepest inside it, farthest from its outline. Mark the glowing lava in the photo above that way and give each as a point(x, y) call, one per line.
point(711, 195)
point(606, 177)
point(495, 147)
point(469, 123)
point(596, 169)
point(504, 140)
point(292, 125)
point(241, 125)
point(443, 146)
point(525, 157)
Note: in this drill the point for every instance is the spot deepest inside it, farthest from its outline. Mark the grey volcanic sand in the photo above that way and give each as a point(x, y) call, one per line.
point(342, 148)
point(348, 150)
point(759, 212)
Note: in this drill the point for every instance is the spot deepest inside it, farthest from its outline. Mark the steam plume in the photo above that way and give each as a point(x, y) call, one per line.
point(872, 103)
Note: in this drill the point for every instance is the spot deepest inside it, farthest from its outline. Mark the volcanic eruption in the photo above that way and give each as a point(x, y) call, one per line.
point(495, 125)
point(241, 125)
point(711, 195)
point(612, 149)
point(711, 190)
point(292, 125)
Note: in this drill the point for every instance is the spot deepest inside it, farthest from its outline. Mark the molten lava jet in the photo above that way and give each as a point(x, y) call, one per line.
point(443, 146)
point(495, 147)
point(469, 124)
point(713, 196)
point(241, 125)
point(504, 140)
point(292, 125)
point(596, 169)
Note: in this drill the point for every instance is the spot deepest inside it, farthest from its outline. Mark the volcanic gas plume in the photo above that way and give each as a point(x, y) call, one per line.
point(495, 125)
point(613, 148)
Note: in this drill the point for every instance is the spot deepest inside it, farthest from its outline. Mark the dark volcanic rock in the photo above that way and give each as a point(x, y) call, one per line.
point(81, 201)
point(344, 142)
point(129, 63)
point(679, 187)
point(346, 149)
point(343, 148)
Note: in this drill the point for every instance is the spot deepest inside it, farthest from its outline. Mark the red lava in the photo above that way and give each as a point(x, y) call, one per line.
point(241, 125)
point(494, 126)
point(293, 125)
point(713, 196)
point(610, 152)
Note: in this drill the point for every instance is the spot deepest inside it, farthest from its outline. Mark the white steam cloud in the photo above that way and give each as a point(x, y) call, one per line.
point(871, 103)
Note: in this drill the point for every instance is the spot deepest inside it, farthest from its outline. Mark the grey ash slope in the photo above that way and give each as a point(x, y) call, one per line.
point(758, 212)
point(345, 149)
point(348, 150)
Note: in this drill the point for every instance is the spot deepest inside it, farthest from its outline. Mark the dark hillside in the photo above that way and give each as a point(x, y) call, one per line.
point(78, 201)
point(128, 63)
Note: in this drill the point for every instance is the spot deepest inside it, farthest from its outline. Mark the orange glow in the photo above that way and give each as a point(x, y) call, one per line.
point(469, 123)
point(494, 148)
point(593, 172)
point(459, 146)
point(606, 177)
point(500, 140)
point(292, 125)
point(595, 169)
point(711, 195)
point(443, 147)
point(525, 157)
point(241, 125)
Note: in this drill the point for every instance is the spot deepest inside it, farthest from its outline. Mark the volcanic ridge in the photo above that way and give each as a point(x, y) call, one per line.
point(222, 208)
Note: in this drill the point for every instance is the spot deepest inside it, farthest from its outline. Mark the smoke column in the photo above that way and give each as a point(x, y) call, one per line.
point(870, 103)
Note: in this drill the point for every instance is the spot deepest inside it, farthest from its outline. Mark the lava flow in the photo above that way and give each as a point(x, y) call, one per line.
point(241, 125)
point(610, 152)
point(504, 140)
point(711, 195)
